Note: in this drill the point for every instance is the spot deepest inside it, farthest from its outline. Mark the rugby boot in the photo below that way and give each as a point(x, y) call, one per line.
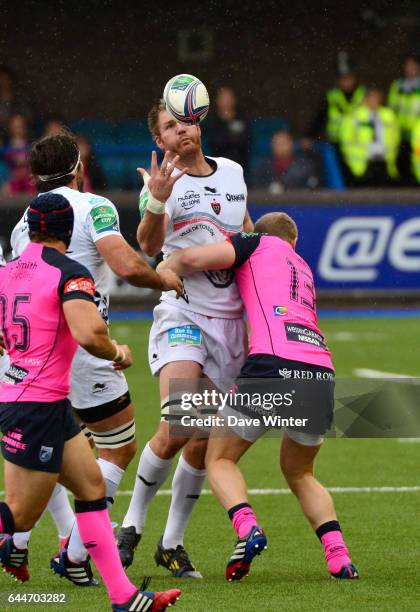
point(176, 560)
point(79, 574)
point(127, 541)
point(254, 543)
point(147, 601)
point(14, 560)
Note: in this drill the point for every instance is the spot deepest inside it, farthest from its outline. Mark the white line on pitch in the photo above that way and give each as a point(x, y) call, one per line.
point(413, 489)
point(368, 373)
point(401, 489)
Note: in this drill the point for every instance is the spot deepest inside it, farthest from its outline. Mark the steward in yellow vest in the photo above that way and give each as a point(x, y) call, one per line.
point(369, 142)
point(415, 150)
point(404, 99)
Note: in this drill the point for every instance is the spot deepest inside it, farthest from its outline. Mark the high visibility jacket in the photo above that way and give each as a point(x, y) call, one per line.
point(357, 133)
point(404, 99)
point(338, 107)
point(415, 150)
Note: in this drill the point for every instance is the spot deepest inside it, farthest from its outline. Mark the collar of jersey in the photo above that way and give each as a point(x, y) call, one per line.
point(212, 163)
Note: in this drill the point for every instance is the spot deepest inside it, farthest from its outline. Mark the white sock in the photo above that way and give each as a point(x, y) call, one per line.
point(61, 511)
point(187, 484)
point(112, 475)
point(152, 472)
point(21, 539)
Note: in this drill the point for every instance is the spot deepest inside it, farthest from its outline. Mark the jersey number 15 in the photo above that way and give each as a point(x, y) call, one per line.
point(18, 331)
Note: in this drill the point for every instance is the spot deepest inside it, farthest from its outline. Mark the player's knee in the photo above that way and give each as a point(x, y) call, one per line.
point(164, 445)
point(195, 452)
point(121, 456)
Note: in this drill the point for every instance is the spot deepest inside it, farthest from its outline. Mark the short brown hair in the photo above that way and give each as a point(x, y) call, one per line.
point(54, 155)
point(153, 117)
point(277, 224)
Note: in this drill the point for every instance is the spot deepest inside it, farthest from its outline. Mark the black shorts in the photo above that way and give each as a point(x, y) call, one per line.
point(104, 411)
point(34, 433)
point(306, 390)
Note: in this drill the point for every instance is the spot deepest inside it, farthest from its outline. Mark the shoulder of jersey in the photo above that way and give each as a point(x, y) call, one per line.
point(65, 263)
point(227, 163)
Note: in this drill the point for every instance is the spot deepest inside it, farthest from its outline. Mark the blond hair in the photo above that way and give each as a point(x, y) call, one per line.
point(277, 224)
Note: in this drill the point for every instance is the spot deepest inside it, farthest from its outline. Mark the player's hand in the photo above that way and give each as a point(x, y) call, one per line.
point(170, 281)
point(161, 182)
point(126, 358)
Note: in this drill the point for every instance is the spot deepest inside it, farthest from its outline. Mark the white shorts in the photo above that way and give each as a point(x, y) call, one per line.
point(218, 345)
point(94, 381)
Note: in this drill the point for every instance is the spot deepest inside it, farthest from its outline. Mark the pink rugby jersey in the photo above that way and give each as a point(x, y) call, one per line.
point(40, 346)
point(277, 288)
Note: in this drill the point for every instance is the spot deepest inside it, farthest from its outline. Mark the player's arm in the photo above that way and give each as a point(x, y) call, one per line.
point(76, 291)
point(194, 259)
point(159, 184)
point(248, 224)
point(91, 332)
point(129, 265)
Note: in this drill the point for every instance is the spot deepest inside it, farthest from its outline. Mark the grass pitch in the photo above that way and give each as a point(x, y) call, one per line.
point(381, 528)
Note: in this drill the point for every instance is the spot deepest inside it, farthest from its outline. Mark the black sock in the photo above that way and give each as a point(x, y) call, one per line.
point(326, 527)
point(234, 509)
point(90, 506)
point(7, 520)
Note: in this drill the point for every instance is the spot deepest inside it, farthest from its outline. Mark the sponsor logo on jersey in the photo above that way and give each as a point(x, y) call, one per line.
point(104, 218)
point(211, 192)
point(15, 375)
point(85, 285)
point(189, 199)
point(235, 197)
point(46, 453)
point(300, 333)
point(217, 207)
point(198, 226)
point(280, 311)
point(187, 335)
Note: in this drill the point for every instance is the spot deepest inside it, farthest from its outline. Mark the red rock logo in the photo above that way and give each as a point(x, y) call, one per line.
point(216, 206)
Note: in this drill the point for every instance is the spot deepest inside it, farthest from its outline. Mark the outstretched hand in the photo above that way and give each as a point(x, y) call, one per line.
point(160, 182)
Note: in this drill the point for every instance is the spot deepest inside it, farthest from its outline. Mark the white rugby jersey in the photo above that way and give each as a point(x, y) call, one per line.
point(206, 210)
point(94, 218)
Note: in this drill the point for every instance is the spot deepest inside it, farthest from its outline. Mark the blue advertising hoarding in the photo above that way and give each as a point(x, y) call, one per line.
point(358, 247)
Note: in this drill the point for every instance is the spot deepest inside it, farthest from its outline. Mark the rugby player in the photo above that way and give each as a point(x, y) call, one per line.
point(200, 335)
point(47, 309)
point(277, 288)
point(99, 393)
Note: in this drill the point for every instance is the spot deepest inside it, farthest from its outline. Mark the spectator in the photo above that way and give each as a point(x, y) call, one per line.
point(54, 126)
point(369, 140)
point(10, 101)
point(285, 168)
point(16, 156)
point(93, 175)
point(227, 132)
point(415, 151)
point(339, 101)
point(404, 99)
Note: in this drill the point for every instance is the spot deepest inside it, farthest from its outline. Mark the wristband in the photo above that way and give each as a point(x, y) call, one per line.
point(153, 205)
point(119, 356)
